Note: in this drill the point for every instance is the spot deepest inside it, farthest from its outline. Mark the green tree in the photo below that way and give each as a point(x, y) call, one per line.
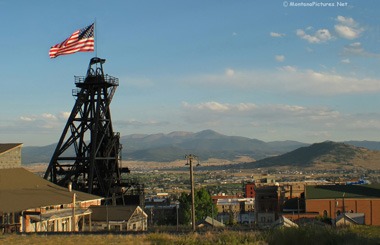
point(203, 206)
point(184, 211)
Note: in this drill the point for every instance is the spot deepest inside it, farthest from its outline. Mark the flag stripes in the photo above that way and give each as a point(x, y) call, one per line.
point(80, 41)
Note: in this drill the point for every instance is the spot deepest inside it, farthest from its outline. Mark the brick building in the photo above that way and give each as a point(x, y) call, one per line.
point(331, 201)
point(249, 190)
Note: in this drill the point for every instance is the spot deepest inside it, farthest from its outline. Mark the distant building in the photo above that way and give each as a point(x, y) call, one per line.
point(293, 190)
point(349, 219)
point(210, 222)
point(267, 180)
point(283, 222)
point(234, 208)
point(266, 205)
point(160, 209)
point(249, 190)
point(119, 218)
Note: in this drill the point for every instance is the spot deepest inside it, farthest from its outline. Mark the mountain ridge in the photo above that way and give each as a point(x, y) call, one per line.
point(206, 144)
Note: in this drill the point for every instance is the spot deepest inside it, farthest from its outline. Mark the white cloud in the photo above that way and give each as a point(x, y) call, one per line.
point(357, 49)
point(358, 123)
point(320, 36)
point(209, 106)
point(276, 34)
point(345, 61)
point(64, 115)
point(48, 116)
point(229, 72)
point(44, 120)
point(290, 79)
point(27, 119)
point(347, 32)
point(281, 121)
point(266, 116)
point(348, 28)
point(346, 20)
point(280, 58)
point(253, 110)
point(288, 68)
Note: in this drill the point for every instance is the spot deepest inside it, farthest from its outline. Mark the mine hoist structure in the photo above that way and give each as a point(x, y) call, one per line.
point(88, 154)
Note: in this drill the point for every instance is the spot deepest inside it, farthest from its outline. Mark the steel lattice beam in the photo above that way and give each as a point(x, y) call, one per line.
point(88, 153)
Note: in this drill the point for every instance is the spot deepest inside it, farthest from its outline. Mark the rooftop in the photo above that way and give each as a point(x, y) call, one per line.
point(21, 190)
point(114, 213)
point(337, 191)
point(9, 146)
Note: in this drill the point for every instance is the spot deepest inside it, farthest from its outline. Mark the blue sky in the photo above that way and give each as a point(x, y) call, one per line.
point(260, 69)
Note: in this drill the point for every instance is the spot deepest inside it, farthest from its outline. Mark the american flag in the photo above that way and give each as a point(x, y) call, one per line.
point(80, 41)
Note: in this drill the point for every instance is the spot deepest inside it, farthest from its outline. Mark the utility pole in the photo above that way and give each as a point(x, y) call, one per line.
point(73, 217)
point(298, 208)
point(344, 210)
point(176, 207)
point(190, 159)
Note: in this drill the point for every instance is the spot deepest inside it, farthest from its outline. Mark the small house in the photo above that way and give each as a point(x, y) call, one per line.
point(283, 222)
point(348, 219)
point(210, 222)
point(118, 218)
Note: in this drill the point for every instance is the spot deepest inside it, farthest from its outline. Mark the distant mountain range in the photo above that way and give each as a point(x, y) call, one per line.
point(173, 146)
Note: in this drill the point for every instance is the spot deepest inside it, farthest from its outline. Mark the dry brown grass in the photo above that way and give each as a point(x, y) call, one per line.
point(224, 237)
point(304, 235)
point(57, 239)
point(368, 160)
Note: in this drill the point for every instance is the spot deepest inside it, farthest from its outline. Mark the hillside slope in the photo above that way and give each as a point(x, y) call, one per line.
point(325, 155)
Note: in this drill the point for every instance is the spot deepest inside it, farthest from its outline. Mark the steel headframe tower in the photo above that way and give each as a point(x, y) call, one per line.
point(88, 153)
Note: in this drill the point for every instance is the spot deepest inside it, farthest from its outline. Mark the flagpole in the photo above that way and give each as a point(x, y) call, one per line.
point(95, 39)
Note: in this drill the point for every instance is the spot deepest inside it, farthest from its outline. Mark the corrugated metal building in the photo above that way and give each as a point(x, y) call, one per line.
point(29, 203)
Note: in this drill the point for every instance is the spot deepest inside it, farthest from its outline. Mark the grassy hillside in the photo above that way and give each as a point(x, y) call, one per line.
point(324, 155)
point(311, 235)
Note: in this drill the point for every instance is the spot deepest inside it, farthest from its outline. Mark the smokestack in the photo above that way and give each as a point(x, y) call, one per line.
point(70, 186)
